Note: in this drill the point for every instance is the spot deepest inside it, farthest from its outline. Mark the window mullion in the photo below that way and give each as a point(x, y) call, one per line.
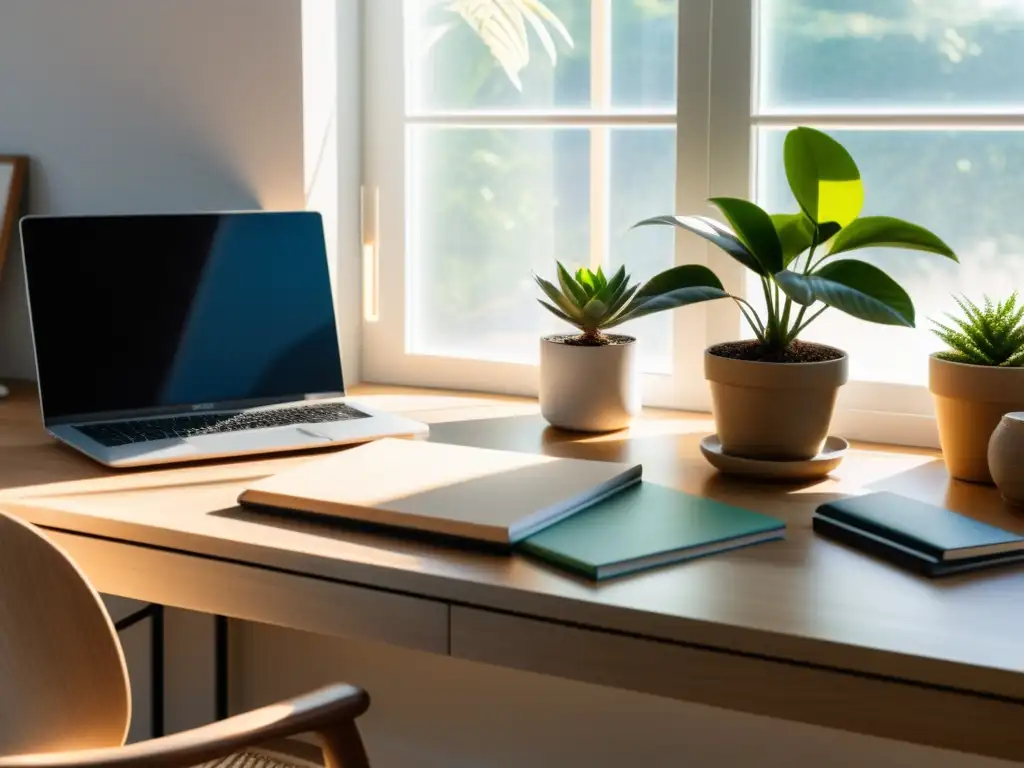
point(731, 134)
point(894, 121)
point(693, 55)
point(620, 117)
point(600, 138)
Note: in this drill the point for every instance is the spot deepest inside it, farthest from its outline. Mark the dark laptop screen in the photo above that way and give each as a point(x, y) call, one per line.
point(139, 312)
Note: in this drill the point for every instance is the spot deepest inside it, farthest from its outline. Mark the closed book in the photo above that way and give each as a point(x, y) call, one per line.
point(491, 496)
point(903, 556)
point(925, 528)
point(645, 526)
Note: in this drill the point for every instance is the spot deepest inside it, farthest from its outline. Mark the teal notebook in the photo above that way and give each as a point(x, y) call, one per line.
point(648, 525)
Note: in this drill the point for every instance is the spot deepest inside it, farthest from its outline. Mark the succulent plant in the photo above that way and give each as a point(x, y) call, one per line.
point(992, 334)
point(594, 303)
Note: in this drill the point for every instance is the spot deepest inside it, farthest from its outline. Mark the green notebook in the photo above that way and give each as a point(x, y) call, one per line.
point(645, 526)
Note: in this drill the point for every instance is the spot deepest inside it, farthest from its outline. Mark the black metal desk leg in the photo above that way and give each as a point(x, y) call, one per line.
point(157, 670)
point(220, 628)
point(155, 613)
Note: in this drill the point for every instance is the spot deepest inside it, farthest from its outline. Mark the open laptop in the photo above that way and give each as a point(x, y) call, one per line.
point(165, 338)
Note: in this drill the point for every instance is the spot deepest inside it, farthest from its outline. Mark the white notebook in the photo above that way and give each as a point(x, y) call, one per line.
point(453, 490)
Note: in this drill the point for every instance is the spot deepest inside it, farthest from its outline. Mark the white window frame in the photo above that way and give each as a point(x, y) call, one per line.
point(717, 123)
point(384, 358)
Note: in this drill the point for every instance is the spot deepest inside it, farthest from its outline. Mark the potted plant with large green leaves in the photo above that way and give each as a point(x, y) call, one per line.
point(590, 380)
point(773, 396)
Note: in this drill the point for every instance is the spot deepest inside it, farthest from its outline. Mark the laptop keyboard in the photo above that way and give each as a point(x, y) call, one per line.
point(143, 430)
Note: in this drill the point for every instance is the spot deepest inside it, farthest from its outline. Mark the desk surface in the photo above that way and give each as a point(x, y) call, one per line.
point(803, 599)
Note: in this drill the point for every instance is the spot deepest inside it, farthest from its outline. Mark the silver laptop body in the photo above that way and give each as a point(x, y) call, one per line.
point(179, 337)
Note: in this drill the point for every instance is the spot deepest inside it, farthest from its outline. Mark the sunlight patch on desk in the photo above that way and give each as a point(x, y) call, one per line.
point(862, 468)
point(97, 479)
point(415, 400)
point(474, 413)
point(655, 427)
point(213, 520)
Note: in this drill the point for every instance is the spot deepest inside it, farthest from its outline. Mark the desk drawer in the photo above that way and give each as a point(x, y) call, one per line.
point(795, 692)
point(258, 594)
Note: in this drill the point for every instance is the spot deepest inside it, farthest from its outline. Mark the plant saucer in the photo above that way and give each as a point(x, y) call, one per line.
point(831, 455)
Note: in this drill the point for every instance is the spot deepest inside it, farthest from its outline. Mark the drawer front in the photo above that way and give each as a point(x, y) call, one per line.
point(258, 594)
point(794, 692)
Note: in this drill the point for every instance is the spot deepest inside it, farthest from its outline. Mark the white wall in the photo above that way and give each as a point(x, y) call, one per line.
point(147, 105)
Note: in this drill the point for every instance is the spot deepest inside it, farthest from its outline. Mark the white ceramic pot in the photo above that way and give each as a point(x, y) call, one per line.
point(1006, 457)
point(589, 389)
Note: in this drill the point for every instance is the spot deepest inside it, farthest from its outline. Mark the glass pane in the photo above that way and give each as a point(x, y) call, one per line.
point(952, 54)
point(643, 184)
point(644, 36)
point(964, 186)
point(451, 66)
point(487, 206)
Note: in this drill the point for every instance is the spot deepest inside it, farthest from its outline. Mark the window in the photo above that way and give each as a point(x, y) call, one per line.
point(500, 173)
point(479, 182)
point(926, 96)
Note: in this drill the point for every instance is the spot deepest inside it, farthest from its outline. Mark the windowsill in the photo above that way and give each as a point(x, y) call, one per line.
point(436, 404)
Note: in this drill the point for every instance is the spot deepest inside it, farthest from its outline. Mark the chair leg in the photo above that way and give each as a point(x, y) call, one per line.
point(343, 747)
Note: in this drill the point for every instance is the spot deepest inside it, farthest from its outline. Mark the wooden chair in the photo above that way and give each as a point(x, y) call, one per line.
point(64, 696)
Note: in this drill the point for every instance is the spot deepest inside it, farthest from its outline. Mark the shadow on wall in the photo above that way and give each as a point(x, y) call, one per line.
point(217, 186)
point(224, 189)
point(144, 107)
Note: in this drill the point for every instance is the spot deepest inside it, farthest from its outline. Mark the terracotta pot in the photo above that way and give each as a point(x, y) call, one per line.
point(589, 389)
point(1006, 458)
point(970, 400)
point(777, 411)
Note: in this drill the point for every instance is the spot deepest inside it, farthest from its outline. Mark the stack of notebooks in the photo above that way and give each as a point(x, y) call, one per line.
point(594, 518)
point(915, 535)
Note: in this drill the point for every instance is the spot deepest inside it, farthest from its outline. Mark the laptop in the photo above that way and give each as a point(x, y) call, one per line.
point(180, 337)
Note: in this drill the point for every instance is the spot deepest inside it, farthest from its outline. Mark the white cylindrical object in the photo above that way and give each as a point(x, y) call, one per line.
point(1006, 458)
point(589, 388)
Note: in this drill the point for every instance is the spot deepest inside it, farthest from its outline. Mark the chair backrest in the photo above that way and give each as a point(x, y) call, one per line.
point(63, 681)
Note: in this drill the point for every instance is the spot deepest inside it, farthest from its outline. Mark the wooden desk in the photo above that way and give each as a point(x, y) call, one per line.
point(804, 629)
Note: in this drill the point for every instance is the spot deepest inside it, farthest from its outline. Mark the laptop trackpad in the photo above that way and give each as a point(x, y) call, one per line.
point(259, 439)
point(312, 433)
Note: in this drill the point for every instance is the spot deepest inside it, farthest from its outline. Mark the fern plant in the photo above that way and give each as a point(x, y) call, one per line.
point(992, 334)
point(593, 303)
